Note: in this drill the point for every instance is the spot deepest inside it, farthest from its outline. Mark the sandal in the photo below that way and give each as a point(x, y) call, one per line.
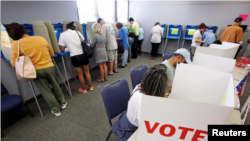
point(115, 71)
point(105, 79)
point(109, 73)
point(100, 81)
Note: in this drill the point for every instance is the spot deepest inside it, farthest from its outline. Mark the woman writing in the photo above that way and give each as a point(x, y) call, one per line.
point(71, 39)
point(101, 57)
point(155, 82)
point(40, 53)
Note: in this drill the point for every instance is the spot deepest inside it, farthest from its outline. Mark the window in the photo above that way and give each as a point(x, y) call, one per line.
point(86, 10)
point(122, 10)
point(106, 10)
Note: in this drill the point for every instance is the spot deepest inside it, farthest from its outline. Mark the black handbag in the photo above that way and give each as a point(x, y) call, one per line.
point(86, 50)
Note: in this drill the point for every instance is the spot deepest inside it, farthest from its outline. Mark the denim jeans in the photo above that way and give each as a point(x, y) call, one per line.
point(129, 52)
point(125, 57)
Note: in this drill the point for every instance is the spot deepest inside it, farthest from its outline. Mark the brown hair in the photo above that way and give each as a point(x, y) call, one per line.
point(202, 25)
point(15, 31)
point(119, 25)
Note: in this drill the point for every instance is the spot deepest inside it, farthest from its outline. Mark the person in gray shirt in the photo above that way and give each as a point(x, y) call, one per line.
point(98, 43)
point(111, 45)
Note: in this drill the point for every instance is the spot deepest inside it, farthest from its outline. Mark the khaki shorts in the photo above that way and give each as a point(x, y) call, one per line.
point(112, 55)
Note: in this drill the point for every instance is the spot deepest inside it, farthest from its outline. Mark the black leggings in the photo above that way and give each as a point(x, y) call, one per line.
point(154, 50)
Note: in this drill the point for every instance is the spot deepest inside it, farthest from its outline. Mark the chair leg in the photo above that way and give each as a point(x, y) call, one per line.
point(109, 135)
point(30, 112)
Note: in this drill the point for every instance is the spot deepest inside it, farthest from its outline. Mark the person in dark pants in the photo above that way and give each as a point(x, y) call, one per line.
point(136, 41)
point(156, 33)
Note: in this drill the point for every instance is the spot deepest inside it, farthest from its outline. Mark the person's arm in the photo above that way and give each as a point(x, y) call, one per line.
point(92, 44)
point(62, 43)
point(14, 49)
point(197, 38)
point(239, 35)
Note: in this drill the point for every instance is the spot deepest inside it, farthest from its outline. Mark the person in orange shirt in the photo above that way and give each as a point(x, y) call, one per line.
point(40, 53)
point(234, 33)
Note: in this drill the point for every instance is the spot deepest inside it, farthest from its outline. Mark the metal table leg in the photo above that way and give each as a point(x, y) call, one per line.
point(61, 77)
point(34, 94)
point(66, 76)
point(178, 44)
point(183, 43)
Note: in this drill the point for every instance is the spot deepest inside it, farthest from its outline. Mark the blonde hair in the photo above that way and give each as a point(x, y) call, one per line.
point(97, 28)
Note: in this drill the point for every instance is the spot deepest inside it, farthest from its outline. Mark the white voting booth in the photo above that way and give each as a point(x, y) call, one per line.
point(5, 43)
point(227, 50)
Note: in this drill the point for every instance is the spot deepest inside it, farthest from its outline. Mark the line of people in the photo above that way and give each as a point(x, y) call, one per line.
point(105, 47)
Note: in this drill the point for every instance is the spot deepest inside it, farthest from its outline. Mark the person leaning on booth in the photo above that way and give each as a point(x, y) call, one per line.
point(101, 57)
point(234, 33)
point(182, 55)
point(123, 40)
point(71, 39)
point(155, 82)
point(197, 38)
point(111, 45)
point(156, 34)
point(40, 53)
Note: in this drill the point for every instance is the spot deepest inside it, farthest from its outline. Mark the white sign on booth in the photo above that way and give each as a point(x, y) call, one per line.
point(5, 43)
point(178, 120)
point(199, 84)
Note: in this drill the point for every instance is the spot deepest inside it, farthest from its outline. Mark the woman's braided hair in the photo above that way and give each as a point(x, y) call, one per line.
point(155, 81)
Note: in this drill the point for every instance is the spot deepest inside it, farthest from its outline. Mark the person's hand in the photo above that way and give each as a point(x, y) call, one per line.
point(204, 41)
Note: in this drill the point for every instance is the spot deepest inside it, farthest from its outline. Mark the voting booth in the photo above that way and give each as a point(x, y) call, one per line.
point(189, 33)
point(173, 33)
point(227, 50)
point(29, 29)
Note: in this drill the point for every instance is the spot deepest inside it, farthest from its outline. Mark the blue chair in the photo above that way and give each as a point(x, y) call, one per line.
point(11, 102)
point(137, 74)
point(29, 29)
point(115, 97)
point(167, 56)
point(189, 32)
point(174, 33)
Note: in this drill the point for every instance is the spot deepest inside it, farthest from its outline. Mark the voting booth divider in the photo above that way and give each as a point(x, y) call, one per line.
point(202, 94)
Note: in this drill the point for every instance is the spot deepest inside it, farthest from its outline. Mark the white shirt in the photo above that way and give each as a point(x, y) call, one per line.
point(134, 107)
point(196, 34)
point(156, 33)
point(71, 39)
point(170, 70)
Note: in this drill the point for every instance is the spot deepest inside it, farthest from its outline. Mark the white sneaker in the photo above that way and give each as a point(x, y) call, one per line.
point(56, 114)
point(63, 106)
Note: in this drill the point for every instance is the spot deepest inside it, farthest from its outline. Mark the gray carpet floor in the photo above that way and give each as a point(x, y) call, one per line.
point(85, 117)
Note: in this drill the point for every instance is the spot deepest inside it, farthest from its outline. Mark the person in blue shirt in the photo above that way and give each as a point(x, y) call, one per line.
point(209, 37)
point(123, 40)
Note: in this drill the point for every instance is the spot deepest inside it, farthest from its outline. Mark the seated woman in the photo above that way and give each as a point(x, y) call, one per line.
point(40, 53)
point(71, 39)
point(155, 82)
point(101, 57)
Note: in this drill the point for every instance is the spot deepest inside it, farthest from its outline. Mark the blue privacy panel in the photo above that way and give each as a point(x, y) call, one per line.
point(164, 31)
point(84, 32)
point(58, 30)
point(189, 32)
point(174, 32)
point(212, 28)
point(29, 29)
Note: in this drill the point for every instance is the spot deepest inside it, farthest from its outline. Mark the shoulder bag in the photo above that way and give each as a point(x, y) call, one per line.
point(25, 70)
point(86, 50)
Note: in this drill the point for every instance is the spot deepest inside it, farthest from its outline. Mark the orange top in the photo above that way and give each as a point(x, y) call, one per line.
point(37, 48)
point(232, 34)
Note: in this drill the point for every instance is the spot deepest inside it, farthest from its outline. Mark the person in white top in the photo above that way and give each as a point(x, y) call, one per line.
point(71, 39)
point(155, 82)
point(197, 38)
point(156, 34)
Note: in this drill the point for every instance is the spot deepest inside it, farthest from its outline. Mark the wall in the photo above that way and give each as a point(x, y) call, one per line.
point(28, 11)
point(146, 13)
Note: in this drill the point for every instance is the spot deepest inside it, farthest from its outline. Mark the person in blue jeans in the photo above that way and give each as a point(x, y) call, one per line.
point(123, 40)
point(209, 37)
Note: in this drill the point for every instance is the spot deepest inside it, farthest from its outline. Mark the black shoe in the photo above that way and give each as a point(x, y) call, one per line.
point(129, 61)
point(133, 57)
point(121, 66)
